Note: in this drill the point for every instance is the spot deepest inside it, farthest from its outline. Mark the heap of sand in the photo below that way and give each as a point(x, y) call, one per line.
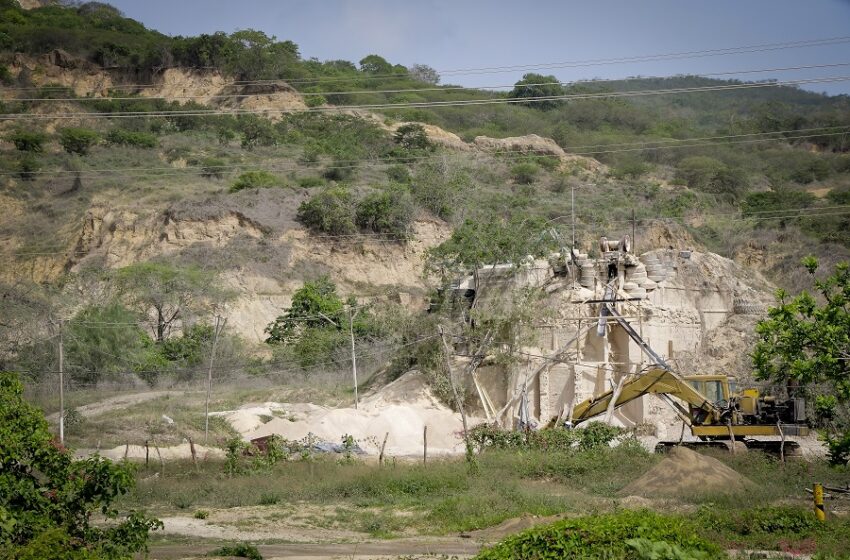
point(684, 471)
point(400, 411)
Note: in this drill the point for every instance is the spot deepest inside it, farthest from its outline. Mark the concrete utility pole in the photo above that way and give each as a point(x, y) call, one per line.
point(61, 386)
point(353, 354)
point(219, 327)
point(573, 213)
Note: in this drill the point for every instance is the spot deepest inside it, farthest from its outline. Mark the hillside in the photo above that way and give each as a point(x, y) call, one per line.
point(238, 159)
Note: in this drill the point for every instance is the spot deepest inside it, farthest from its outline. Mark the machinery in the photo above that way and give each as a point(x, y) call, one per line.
point(711, 405)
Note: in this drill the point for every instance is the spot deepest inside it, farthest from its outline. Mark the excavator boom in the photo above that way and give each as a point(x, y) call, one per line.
point(657, 381)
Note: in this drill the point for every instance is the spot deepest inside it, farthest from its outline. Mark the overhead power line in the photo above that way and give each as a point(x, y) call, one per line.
point(725, 51)
point(507, 154)
point(421, 90)
point(422, 104)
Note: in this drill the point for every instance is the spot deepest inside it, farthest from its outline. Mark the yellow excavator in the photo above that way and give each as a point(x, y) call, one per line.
point(710, 405)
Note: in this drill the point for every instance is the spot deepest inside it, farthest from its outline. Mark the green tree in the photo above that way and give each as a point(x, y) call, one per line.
point(806, 340)
point(524, 173)
point(712, 176)
point(28, 141)
point(330, 211)
point(169, 292)
point(412, 136)
point(316, 304)
point(424, 73)
point(389, 211)
point(374, 64)
point(47, 498)
point(536, 85)
point(78, 140)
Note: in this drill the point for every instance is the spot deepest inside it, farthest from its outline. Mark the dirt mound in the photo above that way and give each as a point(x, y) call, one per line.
point(402, 409)
point(685, 471)
point(511, 526)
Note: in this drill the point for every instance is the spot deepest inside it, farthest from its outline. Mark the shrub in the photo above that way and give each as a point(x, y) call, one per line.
point(339, 171)
point(524, 173)
point(712, 176)
point(631, 168)
point(121, 137)
point(241, 550)
point(212, 167)
point(315, 100)
point(255, 180)
point(439, 189)
point(27, 141)
point(256, 131)
point(412, 137)
point(398, 174)
point(621, 535)
point(28, 165)
point(78, 140)
point(310, 182)
point(331, 211)
point(773, 202)
point(389, 211)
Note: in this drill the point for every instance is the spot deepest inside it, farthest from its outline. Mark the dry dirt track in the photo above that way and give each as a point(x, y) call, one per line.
point(462, 548)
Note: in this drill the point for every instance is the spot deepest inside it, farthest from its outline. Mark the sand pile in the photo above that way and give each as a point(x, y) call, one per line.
point(401, 409)
point(685, 471)
point(182, 451)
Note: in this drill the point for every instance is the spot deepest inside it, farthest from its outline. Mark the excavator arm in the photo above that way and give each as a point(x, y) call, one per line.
point(656, 381)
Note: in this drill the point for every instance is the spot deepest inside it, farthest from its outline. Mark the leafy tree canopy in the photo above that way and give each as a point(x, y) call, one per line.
point(47, 498)
point(538, 85)
point(806, 340)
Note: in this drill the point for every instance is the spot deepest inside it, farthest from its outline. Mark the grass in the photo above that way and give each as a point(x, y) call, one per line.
point(444, 498)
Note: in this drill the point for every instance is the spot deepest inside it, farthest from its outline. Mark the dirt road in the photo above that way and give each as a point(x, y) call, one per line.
point(409, 548)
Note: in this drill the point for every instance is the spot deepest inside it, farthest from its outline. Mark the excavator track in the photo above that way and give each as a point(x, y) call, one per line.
point(789, 450)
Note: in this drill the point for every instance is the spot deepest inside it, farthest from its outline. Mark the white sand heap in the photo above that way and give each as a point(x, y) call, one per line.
point(182, 451)
point(401, 409)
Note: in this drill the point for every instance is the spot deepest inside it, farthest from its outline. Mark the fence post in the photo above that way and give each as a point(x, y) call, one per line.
point(820, 510)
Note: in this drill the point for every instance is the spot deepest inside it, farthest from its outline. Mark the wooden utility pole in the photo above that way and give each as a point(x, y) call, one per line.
point(61, 386)
point(447, 355)
point(634, 233)
point(573, 213)
point(219, 327)
point(353, 354)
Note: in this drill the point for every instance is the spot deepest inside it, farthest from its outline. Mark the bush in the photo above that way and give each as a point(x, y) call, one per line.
point(121, 137)
point(213, 167)
point(709, 175)
point(28, 165)
point(256, 131)
point(315, 100)
point(398, 174)
point(339, 171)
point(310, 182)
point(26, 141)
point(78, 140)
point(389, 211)
point(775, 202)
point(241, 550)
point(622, 535)
point(631, 168)
point(47, 498)
point(255, 180)
point(331, 211)
point(524, 173)
point(412, 137)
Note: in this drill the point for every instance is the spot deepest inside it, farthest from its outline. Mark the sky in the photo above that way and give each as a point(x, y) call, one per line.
point(472, 34)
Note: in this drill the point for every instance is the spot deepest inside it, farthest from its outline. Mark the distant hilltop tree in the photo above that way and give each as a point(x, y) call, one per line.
point(424, 73)
point(537, 85)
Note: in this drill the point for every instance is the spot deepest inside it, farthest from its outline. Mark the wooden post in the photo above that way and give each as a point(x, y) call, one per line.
point(216, 332)
point(353, 354)
point(147, 454)
point(192, 450)
point(61, 385)
point(458, 402)
point(781, 445)
point(126, 450)
point(383, 446)
point(425, 444)
point(161, 462)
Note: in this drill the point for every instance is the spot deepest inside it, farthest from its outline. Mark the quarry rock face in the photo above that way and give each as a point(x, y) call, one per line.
point(699, 315)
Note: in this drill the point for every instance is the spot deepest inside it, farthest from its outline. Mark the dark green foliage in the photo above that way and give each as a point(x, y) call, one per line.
point(439, 189)
point(123, 137)
point(772, 203)
point(190, 348)
point(47, 498)
point(712, 176)
point(241, 550)
point(78, 140)
point(256, 131)
point(331, 211)
point(27, 166)
point(839, 196)
point(807, 340)
point(28, 141)
point(317, 324)
point(412, 137)
point(310, 182)
point(475, 243)
point(213, 167)
point(593, 436)
point(536, 85)
point(630, 168)
point(524, 173)
point(607, 536)
point(388, 211)
point(255, 180)
point(399, 174)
